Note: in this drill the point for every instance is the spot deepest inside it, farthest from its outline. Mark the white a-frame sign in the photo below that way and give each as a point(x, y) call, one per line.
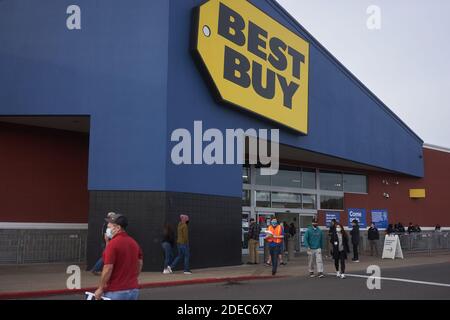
point(392, 248)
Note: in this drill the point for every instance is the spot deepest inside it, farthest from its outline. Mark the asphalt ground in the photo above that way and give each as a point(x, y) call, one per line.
point(422, 282)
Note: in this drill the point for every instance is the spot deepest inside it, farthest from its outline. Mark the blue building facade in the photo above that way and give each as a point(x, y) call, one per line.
point(131, 70)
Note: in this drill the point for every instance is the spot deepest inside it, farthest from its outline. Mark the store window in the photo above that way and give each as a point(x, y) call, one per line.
point(309, 178)
point(331, 181)
point(263, 199)
point(286, 200)
point(246, 198)
point(355, 183)
point(309, 201)
point(287, 179)
point(245, 175)
point(332, 202)
point(261, 179)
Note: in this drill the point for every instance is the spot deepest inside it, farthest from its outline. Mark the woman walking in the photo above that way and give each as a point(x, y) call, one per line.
point(168, 241)
point(339, 241)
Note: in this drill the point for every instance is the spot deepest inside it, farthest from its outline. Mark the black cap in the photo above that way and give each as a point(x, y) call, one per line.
point(119, 220)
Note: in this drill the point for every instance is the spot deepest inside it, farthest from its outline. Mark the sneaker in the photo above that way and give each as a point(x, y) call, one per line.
point(321, 275)
point(169, 269)
point(166, 271)
point(312, 275)
point(188, 272)
point(342, 276)
point(355, 260)
point(274, 273)
point(338, 274)
point(267, 264)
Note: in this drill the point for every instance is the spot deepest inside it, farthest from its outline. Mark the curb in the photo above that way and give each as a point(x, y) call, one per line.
point(45, 293)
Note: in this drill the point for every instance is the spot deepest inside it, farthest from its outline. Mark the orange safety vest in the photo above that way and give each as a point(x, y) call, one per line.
point(276, 232)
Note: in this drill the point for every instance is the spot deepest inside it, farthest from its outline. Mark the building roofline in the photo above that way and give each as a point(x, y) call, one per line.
point(435, 147)
point(296, 25)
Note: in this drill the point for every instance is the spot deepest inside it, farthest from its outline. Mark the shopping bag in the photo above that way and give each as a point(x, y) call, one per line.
point(91, 296)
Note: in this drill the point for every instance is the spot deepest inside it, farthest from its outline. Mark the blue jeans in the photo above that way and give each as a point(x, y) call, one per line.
point(183, 251)
point(98, 267)
point(168, 255)
point(274, 250)
point(132, 294)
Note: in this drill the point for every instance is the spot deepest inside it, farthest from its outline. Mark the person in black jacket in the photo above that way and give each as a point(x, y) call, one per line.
point(355, 240)
point(339, 242)
point(332, 227)
point(167, 243)
point(401, 228)
point(253, 242)
point(373, 235)
point(390, 230)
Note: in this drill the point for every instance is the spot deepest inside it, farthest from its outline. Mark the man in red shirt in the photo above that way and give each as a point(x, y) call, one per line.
point(122, 263)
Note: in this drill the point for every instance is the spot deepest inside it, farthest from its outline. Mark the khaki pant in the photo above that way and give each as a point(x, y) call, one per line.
point(253, 250)
point(315, 259)
point(373, 245)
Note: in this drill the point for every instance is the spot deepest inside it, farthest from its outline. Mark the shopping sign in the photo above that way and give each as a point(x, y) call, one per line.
point(357, 214)
point(392, 248)
point(380, 218)
point(254, 62)
point(330, 216)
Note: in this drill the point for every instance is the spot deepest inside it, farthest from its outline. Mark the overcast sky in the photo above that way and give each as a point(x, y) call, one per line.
point(406, 63)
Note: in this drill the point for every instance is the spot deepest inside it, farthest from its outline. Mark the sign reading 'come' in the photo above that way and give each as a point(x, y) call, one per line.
point(255, 63)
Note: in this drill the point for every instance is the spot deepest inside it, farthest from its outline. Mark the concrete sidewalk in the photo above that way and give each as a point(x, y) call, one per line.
point(41, 280)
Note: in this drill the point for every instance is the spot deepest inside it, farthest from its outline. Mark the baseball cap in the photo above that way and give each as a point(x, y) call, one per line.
point(111, 214)
point(118, 219)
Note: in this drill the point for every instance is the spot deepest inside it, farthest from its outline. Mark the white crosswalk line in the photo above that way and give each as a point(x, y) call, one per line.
point(397, 279)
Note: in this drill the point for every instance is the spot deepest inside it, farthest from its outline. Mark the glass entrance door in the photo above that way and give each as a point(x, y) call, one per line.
point(244, 231)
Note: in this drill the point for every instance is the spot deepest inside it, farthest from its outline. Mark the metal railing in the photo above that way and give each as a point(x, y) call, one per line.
point(42, 246)
point(410, 242)
point(425, 241)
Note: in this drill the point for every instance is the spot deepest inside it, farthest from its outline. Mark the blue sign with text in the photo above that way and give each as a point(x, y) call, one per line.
point(330, 216)
point(380, 218)
point(357, 214)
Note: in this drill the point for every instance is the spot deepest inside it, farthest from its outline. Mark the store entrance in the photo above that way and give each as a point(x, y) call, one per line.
point(300, 221)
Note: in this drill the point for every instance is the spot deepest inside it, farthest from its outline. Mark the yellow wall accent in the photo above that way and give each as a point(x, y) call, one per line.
point(417, 193)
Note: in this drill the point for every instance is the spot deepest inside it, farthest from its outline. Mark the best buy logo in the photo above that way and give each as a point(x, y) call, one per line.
point(255, 62)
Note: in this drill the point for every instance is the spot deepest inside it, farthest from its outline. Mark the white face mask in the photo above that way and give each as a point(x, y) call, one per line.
point(338, 229)
point(109, 233)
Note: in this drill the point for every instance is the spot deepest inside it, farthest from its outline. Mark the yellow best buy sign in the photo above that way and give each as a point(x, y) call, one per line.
point(255, 62)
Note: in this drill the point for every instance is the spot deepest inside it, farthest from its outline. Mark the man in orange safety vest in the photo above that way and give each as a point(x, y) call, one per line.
point(274, 238)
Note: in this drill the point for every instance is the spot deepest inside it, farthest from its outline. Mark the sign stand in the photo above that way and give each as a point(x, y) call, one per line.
point(392, 248)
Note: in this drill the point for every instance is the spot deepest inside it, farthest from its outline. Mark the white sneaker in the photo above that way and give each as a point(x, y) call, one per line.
point(187, 272)
point(342, 276)
point(169, 269)
point(166, 271)
point(338, 274)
